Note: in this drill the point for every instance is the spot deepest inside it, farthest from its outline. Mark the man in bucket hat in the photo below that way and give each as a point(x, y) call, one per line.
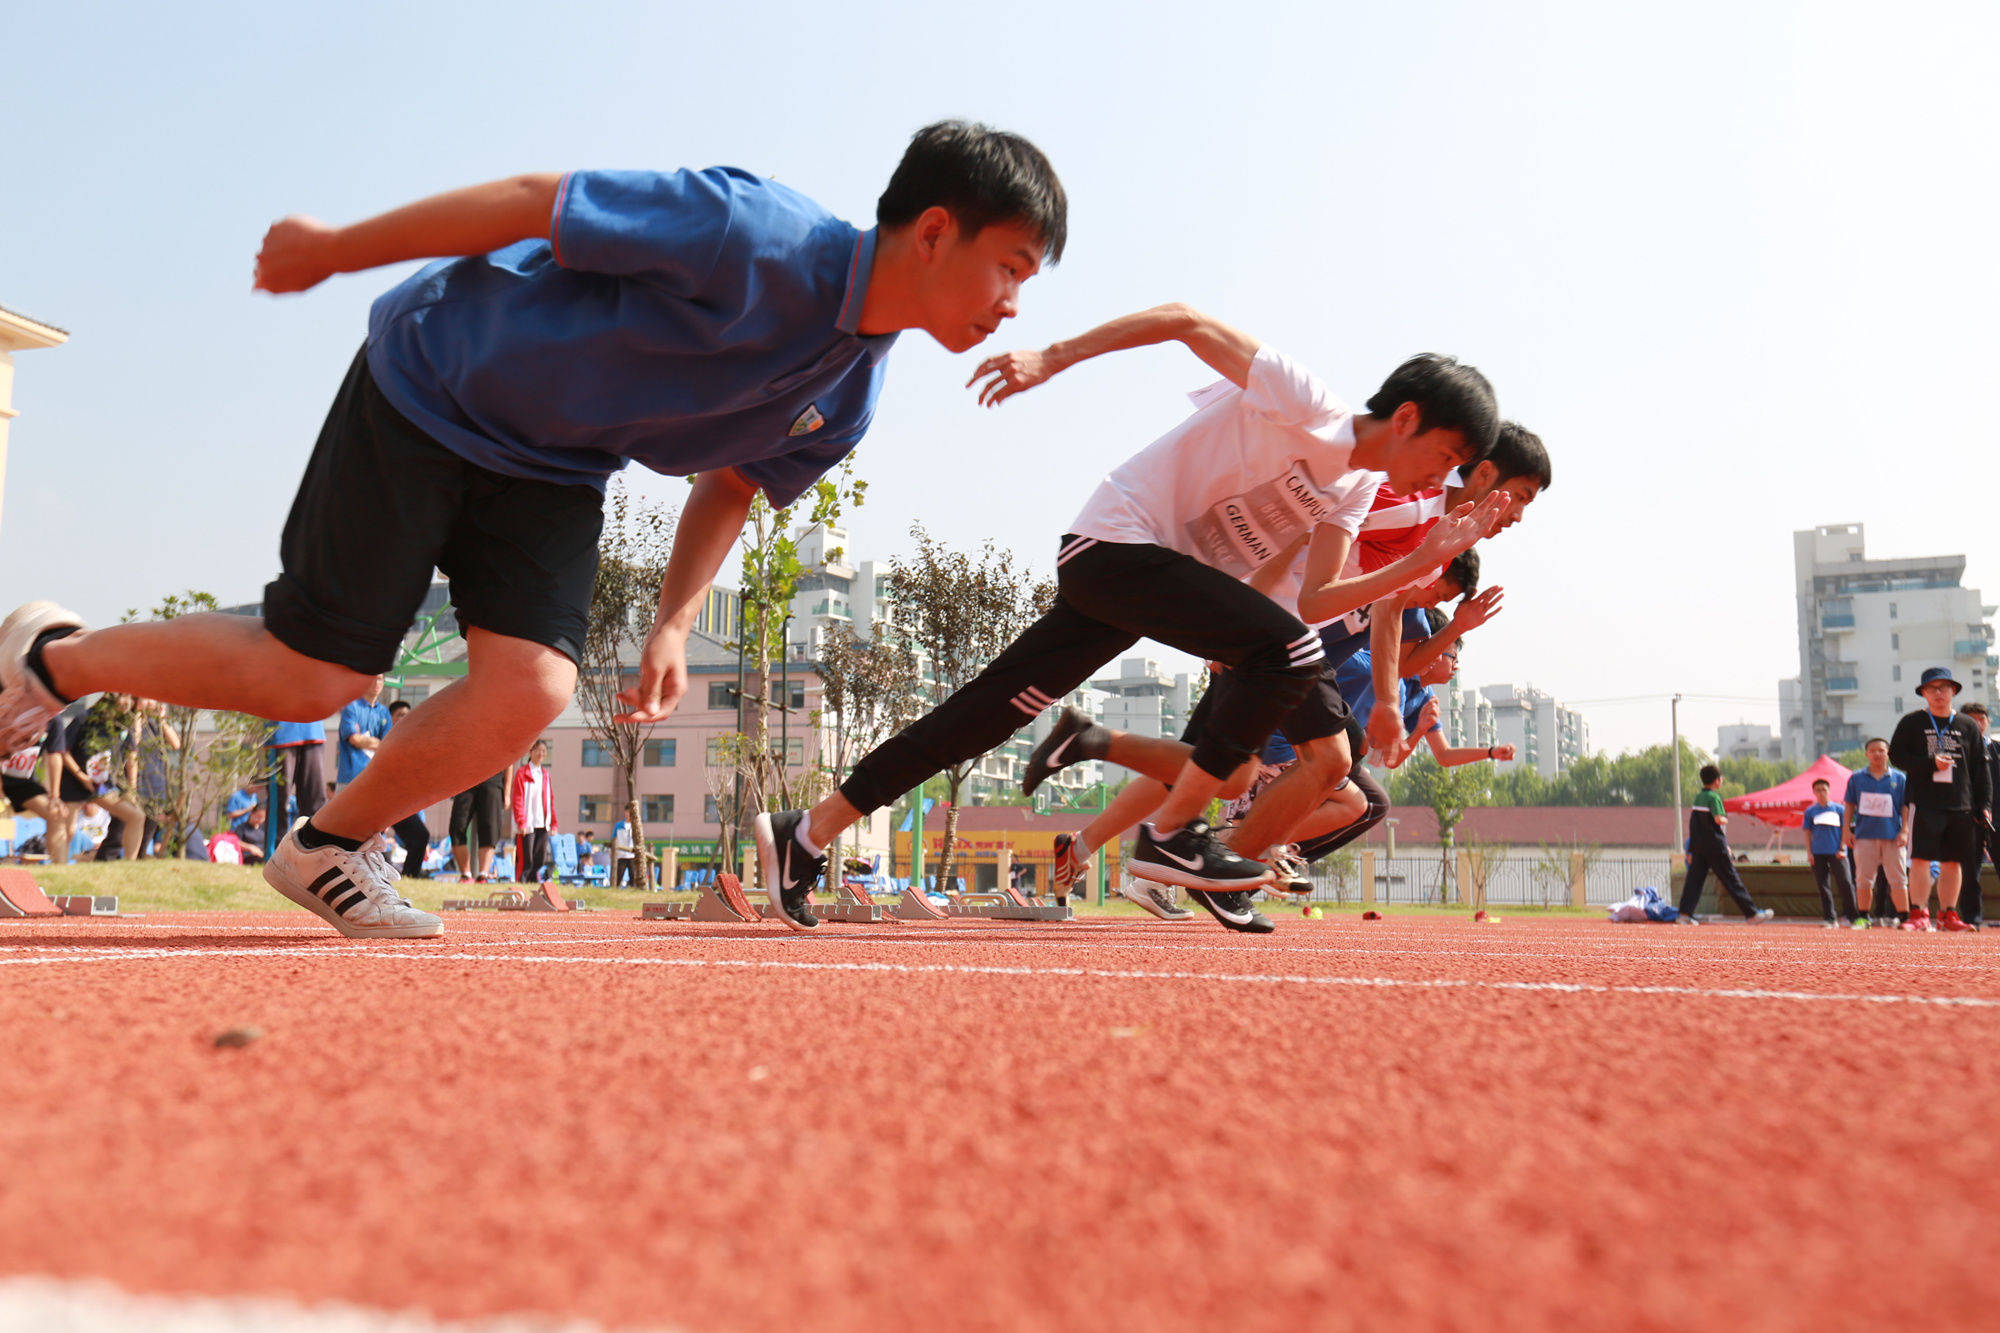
point(1949, 792)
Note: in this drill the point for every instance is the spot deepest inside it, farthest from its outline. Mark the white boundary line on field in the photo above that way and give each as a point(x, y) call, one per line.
point(388, 955)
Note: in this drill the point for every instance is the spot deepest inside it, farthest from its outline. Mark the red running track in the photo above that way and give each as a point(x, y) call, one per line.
point(1416, 1123)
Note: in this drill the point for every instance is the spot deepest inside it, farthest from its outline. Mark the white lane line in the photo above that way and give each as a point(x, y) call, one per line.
point(1096, 973)
point(46, 1305)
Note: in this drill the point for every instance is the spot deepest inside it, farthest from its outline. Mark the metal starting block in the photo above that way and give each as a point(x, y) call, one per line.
point(1002, 905)
point(500, 900)
point(721, 901)
point(83, 904)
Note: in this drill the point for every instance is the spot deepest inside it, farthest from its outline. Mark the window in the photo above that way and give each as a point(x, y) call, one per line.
point(658, 810)
point(660, 754)
point(1896, 644)
point(798, 693)
point(795, 750)
point(414, 694)
point(718, 753)
point(711, 813)
point(596, 754)
point(1892, 610)
point(594, 809)
point(721, 694)
point(1896, 671)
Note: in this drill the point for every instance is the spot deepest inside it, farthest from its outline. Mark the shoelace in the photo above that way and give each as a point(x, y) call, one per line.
point(379, 882)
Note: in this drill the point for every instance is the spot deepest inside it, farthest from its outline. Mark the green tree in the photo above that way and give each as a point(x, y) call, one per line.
point(959, 613)
point(869, 692)
point(1448, 792)
point(624, 601)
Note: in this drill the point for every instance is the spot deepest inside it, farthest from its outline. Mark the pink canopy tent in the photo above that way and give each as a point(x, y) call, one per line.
point(1781, 806)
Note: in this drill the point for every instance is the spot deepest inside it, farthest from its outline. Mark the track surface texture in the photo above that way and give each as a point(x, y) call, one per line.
point(1413, 1123)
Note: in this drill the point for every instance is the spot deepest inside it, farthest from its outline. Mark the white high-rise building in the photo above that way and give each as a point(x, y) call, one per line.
point(1869, 628)
point(1748, 740)
point(1543, 732)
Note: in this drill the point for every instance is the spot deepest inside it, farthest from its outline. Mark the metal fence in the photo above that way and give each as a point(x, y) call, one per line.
point(1514, 876)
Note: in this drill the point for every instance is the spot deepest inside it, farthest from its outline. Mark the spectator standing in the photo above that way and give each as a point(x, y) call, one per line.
point(1826, 835)
point(1972, 897)
point(363, 724)
point(622, 859)
point(475, 820)
point(1708, 851)
point(1875, 834)
point(1944, 756)
point(26, 795)
point(412, 832)
point(532, 798)
point(301, 772)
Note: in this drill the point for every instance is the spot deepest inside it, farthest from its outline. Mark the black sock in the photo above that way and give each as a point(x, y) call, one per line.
point(311, 836)
point(41, 668)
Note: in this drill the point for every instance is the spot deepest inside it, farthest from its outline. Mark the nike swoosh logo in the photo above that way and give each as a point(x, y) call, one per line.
point(1055, 755)
point(1227, 915)
point(1169, 856)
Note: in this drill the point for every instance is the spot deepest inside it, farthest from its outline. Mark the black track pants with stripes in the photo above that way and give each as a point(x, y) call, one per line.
point(1109, 596)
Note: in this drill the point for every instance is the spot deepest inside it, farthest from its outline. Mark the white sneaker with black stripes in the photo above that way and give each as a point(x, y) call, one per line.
point(354, 891)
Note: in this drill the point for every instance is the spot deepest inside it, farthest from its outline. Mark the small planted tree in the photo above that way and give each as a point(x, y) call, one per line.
point(185, 769)
point(631, 560)
point(959, 613)
point(1448, 792)
point(870, 691)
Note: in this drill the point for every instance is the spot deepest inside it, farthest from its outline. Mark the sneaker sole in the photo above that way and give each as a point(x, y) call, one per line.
point(308, 900)
point(767, 859)
point(1187, 879)
point(1145, 900)
point(18, 632)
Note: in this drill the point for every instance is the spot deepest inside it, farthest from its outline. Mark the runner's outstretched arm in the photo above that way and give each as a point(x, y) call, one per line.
point(1327, 595)
point(301, 252)
point(709, 525)
point(1227, 351)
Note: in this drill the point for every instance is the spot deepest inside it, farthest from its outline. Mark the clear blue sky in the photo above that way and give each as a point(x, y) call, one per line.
point(1733, 261)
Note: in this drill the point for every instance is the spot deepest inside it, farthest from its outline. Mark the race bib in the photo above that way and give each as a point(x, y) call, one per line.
point(1877, 805)
point(21, 763)
point(1829, 818)
point(98, 770)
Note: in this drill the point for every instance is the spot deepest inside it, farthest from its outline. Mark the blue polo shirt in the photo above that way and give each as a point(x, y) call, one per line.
point(284, 734)
point(1891, 784)
point(685, 321)
point(1823, 824)
point(359, 718)
point(1349, 635)
point(1355, 680)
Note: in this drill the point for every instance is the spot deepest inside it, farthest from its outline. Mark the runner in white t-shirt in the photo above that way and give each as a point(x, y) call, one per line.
point(1271, 466)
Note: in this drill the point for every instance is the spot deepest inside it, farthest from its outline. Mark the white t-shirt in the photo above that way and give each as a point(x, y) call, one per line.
point(1242, 478)
point(533, 780)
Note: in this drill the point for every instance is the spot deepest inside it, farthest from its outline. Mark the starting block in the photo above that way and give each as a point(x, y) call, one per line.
point(1005, 904)
point(83, 904)
point(20, 896)
point(721, 901)
point(501, 900)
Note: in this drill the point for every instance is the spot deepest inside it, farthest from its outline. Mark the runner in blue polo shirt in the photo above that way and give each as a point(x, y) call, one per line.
point(710, 323)
point(1826, 835)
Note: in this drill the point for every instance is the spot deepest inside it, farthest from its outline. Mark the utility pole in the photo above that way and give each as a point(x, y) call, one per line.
point(1674, 845)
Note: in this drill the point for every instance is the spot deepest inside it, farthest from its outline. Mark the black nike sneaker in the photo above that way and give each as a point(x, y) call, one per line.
point(1234, 911)
point(1073, 737)
point(1194, 858)
point(791, 873)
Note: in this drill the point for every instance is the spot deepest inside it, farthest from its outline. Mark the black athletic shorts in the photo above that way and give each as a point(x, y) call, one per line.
point(383, 504)
point(20, 791)
point(1320, 714)
point(1945, 835)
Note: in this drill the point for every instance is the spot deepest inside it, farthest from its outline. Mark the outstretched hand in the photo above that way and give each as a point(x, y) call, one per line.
point(1469, 523)
point(662, 679)
point(1010, 373)
point(297, 255)
point(1476, 611)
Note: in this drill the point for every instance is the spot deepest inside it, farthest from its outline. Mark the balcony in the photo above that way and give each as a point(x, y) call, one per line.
point(1842, 685)
point(1969, 648)
point(1841, 621)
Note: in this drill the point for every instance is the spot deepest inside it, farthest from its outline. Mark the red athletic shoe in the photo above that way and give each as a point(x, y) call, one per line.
point(1919, 920)
point(1948, 920)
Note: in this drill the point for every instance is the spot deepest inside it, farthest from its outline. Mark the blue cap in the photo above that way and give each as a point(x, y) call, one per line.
point(1938, 673)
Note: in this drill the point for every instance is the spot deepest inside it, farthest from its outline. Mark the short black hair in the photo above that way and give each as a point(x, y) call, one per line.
point(1449, 395)
point(1977, 709)
point(983, 177)
point(1434, 618)
point(1519, 452)
point(404, 704)
point(1873, 740)
point(1709, 773)
point(1464, 571)
point(1822, 782)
